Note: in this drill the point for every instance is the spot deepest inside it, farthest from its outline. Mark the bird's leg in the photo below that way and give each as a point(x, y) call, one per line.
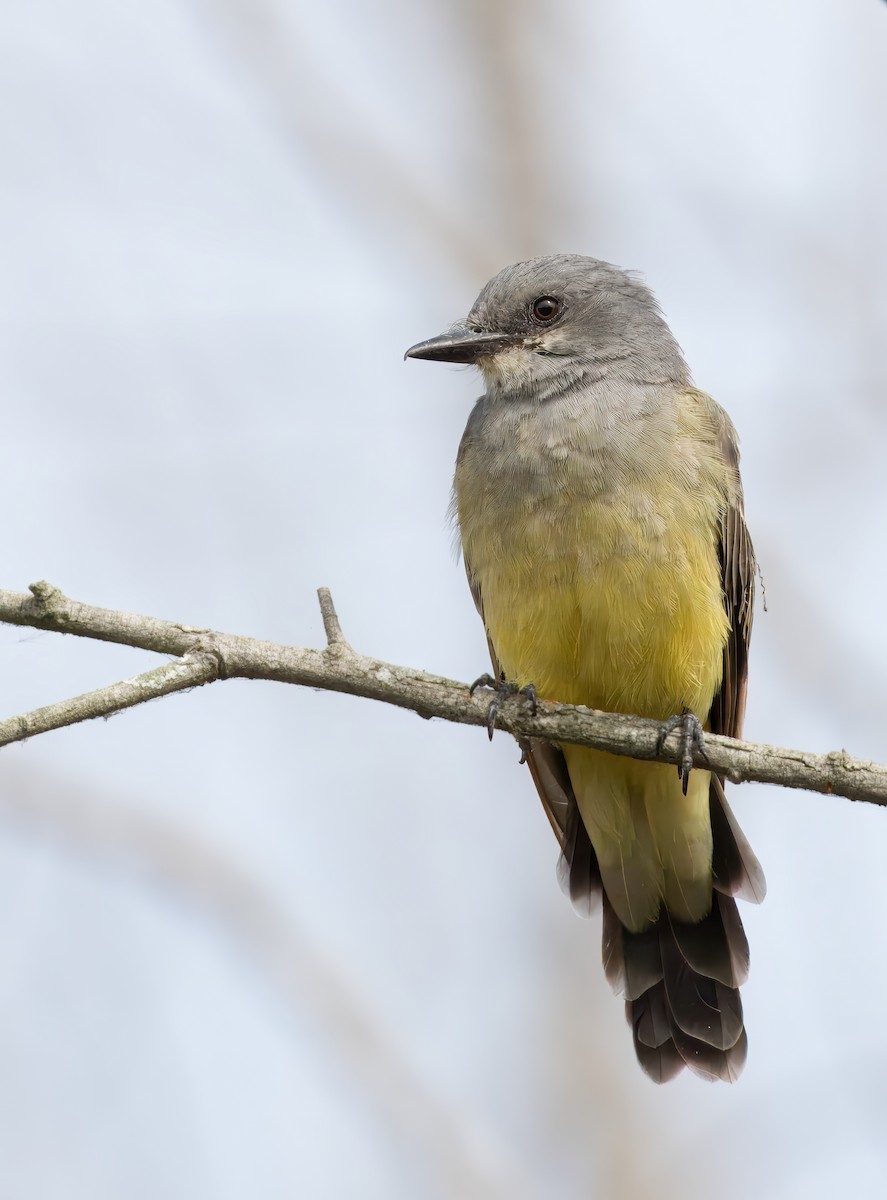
point(502, 690)
point(692, 741)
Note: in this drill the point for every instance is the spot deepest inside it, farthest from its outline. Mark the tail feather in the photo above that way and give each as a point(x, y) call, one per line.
point(669, 1001)
point(663, 1050)
point(716, 946)
point(661, 1063)
point(702, 1008)
point(710, 1063)
point(577, 869)
point(650, 1018)
point(680, 980)
point(735, 867)
point(632, 961)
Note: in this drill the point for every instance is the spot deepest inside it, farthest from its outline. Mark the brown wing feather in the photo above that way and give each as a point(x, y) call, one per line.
point(737, 558)
point(736, 870)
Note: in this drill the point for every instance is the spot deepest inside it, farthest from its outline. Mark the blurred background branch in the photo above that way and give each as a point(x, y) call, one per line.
point(459, 1152)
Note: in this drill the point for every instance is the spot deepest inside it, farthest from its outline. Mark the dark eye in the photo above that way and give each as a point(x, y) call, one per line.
point(546, 308)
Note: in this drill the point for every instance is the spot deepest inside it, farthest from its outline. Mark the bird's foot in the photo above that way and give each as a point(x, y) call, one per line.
point(692, 742)
point(502, 690)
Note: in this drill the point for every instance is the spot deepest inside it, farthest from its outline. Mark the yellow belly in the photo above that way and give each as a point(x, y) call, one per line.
point(594, 611)
point(619, 608)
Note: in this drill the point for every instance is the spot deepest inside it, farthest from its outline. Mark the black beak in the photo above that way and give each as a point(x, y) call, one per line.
point(462, 345)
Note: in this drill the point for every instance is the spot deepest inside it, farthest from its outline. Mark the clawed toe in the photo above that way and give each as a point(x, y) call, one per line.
point(486, 681)
point(503, 690)
point(692, 742)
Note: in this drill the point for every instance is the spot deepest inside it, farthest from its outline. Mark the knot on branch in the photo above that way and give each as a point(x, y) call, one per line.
point(48, 599)
point(210, 649)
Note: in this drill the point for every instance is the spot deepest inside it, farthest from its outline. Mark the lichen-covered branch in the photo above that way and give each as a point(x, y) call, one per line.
point(203, 656)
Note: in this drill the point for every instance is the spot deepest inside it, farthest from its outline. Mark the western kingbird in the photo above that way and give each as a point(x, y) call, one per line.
point(600, 511)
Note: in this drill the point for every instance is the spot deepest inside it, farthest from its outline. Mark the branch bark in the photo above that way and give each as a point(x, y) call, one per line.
point(204, 656)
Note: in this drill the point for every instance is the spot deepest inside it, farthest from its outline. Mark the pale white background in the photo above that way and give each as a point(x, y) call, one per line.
point(256, 941)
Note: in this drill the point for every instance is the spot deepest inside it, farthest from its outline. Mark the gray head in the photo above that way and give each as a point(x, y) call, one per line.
point(551, 324)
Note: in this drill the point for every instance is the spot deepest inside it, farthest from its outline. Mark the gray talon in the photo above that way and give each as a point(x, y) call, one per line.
point(484, 681)
point(692, 742)
point(502, 689)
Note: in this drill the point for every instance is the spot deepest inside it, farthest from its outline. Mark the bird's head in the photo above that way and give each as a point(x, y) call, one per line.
point(552, 323)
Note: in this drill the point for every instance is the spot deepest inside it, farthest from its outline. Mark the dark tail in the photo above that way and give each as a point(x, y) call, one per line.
point(681, 982)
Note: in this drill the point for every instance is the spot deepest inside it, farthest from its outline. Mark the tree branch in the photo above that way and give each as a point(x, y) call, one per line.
point(205, 656)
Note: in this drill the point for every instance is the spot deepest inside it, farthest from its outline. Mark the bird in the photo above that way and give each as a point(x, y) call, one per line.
point(600, 513)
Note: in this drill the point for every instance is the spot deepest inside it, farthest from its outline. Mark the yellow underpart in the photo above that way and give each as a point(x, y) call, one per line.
point(615, 602)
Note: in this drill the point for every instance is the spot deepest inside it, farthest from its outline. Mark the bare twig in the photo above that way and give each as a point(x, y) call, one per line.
point(332, 628)
point(206, 656)
point(191, 670)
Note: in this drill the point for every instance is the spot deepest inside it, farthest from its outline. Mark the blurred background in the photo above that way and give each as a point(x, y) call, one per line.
point(260, 941)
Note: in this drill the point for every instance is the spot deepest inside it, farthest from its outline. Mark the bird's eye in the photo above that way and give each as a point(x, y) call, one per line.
point(545, 309)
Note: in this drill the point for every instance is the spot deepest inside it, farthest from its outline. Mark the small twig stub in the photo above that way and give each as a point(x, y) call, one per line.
point(332, 628)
